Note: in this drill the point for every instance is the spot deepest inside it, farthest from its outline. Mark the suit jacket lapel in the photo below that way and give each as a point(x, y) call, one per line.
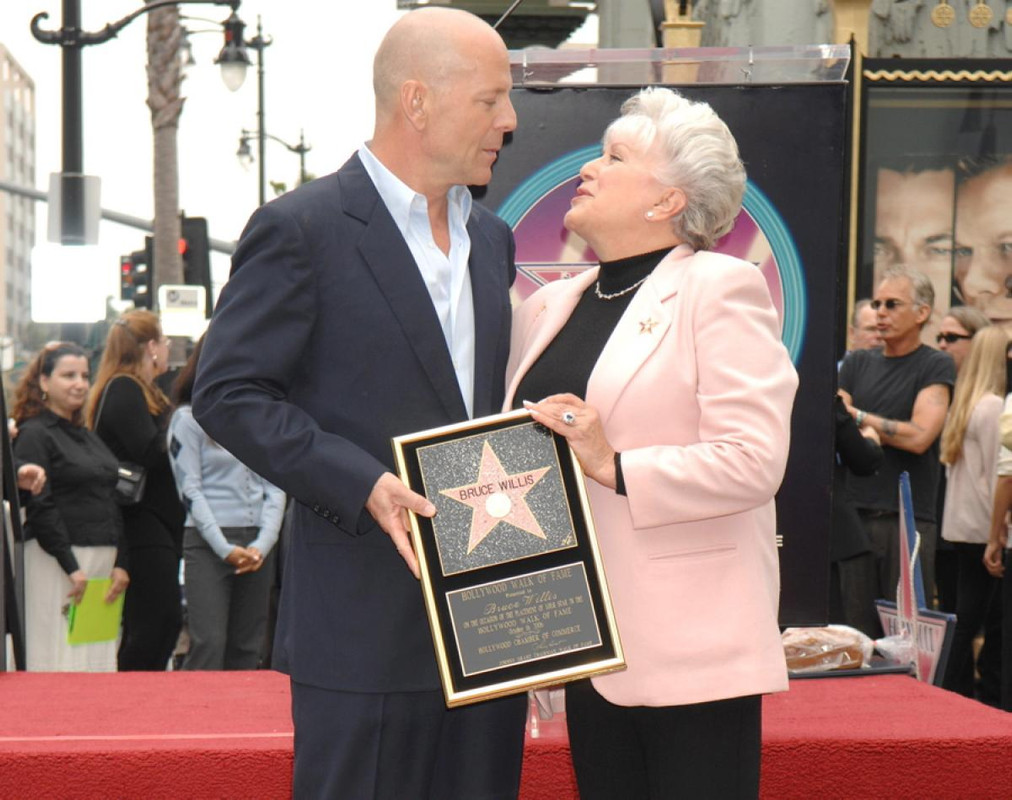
point(639, 331)
point(389, 258)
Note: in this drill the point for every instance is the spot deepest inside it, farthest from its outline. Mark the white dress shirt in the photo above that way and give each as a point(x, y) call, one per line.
point(446, 277)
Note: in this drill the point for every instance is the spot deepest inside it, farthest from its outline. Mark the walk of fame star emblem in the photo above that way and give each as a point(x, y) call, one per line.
point(497, 496)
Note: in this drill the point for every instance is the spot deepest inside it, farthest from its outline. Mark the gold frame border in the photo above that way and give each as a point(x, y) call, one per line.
point(946, 75)
point(456, 697)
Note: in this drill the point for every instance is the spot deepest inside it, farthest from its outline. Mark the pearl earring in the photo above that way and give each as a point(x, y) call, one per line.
point(650, 215)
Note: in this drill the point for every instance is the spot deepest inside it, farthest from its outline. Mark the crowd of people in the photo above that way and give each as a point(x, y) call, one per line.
point(936, 414)
point(195, 498)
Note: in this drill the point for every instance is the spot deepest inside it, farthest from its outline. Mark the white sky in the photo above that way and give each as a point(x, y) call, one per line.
point(318, 73)
point(318, 78)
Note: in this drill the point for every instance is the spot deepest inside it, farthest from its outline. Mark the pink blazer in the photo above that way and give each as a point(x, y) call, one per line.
point(695, 389)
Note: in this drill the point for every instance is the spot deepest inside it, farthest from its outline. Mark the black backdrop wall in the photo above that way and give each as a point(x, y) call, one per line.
point(792, 140)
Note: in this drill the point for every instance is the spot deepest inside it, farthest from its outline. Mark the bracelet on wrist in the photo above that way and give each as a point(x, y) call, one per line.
point(859, 418)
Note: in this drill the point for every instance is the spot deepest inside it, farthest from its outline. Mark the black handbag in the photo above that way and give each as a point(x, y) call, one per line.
point(130, 484)
point(131, 478)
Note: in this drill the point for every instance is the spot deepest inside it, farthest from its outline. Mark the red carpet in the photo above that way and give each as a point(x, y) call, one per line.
point(228, 735)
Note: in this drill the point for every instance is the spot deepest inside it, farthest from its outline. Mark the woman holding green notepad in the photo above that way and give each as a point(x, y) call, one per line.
point(73, 527)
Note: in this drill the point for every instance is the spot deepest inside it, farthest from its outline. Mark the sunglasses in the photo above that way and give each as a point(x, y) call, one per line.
point(950, 338)
point(890, 304)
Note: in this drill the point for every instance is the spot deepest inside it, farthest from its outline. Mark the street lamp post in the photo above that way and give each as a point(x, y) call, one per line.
point(71, 40)
point(235, 61)
point(245, 155)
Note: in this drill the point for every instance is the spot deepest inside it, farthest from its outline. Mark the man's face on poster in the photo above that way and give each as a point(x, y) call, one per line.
point(913, 223)
point(913, 226)
point(984, 242)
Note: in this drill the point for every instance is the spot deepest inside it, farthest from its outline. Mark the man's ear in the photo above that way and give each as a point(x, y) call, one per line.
point(414, 95)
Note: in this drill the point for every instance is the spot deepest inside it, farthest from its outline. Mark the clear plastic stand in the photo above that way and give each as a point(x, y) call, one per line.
point(536, 68)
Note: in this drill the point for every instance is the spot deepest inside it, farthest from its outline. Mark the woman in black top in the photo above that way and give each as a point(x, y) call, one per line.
point(73, 526)
point(131, 414)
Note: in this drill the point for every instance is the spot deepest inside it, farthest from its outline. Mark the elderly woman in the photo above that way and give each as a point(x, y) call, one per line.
point(664, 370)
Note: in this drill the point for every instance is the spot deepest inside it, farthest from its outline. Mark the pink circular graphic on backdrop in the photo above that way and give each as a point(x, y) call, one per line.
point(546, 251)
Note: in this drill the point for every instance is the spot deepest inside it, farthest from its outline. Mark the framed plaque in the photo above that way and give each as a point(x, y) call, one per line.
point(511, 574)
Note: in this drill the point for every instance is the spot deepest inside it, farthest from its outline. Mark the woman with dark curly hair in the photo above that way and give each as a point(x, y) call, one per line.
point(131, 415)
point(73, 527)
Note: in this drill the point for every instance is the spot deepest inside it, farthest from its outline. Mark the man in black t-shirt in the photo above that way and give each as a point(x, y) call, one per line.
point(902, 391)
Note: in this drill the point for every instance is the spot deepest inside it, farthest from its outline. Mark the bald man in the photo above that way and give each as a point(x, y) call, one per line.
point(366, 304)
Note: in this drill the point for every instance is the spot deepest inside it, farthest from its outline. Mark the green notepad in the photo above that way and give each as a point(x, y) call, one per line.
point(93, 619)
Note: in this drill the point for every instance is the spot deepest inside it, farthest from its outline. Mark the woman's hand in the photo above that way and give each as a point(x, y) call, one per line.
point(254, 561)
point(78, 582)
point(568, 415)
point(244, 560)
point(120, 581)
point(31, 478)
point(994, 557)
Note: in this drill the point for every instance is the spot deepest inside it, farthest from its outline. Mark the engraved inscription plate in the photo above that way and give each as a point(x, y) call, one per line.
point(524, 618)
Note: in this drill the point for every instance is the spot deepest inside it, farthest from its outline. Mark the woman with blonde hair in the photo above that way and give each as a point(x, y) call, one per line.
point(131, 414)
point(970, 442)
point(73, 528)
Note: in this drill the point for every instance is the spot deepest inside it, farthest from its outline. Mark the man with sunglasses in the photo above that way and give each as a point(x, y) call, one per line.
point(902, 391)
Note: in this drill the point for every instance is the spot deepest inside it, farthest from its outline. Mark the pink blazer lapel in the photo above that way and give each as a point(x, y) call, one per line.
point(638, 333)
point(545, 323)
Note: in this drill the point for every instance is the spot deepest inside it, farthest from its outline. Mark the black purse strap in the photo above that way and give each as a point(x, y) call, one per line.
point(101, 402)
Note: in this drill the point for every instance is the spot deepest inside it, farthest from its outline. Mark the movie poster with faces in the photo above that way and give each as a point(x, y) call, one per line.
point(792, 140)
point(936, 181)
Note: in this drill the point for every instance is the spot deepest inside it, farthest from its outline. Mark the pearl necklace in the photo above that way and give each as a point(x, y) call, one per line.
point(602, 296)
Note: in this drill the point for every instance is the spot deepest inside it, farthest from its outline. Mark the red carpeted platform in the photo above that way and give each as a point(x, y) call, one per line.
point(228, 735)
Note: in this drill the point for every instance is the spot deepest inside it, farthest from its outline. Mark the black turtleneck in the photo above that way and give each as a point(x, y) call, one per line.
point(567, 362)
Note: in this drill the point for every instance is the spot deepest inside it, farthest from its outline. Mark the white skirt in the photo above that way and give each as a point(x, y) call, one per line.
point(46, 590)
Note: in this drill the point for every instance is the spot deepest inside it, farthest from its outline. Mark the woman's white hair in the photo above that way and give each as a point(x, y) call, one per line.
point(698, 155)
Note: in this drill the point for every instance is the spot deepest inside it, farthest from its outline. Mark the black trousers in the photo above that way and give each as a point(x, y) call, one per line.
point(152, 610)
point(705, 750)
point(978, 605)
point(394, 746)
point(1006, 638)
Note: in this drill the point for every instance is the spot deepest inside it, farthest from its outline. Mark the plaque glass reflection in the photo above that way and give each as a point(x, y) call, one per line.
point(512, 579)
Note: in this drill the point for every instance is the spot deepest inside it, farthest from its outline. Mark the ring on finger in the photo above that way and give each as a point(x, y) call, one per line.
point(569, 418)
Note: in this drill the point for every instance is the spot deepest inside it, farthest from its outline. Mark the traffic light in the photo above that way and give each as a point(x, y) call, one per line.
point(144, 271)
point(195, 249)
point(126, 275)
point(135, 276)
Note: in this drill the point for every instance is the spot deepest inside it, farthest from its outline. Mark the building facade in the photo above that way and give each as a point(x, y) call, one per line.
point(17, 214)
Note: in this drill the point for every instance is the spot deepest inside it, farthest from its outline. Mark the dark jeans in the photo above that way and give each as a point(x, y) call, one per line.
point(977, 605)
point(704, 750)
point(857, 587)
point(883, 530)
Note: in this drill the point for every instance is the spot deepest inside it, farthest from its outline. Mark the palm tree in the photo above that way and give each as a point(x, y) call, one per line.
point(165, 80)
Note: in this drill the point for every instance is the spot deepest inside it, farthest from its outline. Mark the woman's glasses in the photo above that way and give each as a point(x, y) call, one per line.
point(951, 338)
